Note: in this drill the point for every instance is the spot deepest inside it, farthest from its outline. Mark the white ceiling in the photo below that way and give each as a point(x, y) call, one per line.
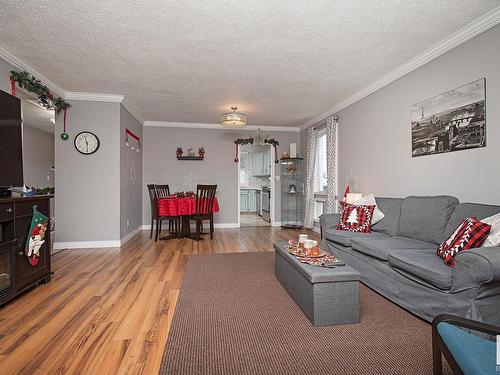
point(282, 62)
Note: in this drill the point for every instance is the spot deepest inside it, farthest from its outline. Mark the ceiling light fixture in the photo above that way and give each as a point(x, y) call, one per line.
point(234, 118)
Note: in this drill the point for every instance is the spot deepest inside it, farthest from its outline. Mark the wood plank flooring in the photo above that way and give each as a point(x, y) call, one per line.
point(108, 311)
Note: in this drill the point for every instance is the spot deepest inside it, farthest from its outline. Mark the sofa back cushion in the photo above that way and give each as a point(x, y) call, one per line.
point(426, 218)
point(465, 210)
point(391, 208)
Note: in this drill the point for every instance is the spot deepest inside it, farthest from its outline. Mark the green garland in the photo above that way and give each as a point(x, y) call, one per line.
point(272, 141)
point(34, 85)
point(244, 141)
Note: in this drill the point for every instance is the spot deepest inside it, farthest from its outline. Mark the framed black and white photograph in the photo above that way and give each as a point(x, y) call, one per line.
point(453, 121)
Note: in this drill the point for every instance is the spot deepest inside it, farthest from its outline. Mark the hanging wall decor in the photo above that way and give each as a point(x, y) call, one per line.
point(45, 98)
point(241, 141)
point(129, 143)
point(452, 121)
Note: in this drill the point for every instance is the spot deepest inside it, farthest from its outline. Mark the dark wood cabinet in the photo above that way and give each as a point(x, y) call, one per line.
point(15, 220)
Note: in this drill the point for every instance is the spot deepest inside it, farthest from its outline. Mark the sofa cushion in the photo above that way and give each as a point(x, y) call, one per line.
point(344, 238)
point(425, 265)
point(355, 218)
point(369, 200)
point(426, 218)
point(391, 207)
point(465, 210)
point(470, 234)
point(381, 248)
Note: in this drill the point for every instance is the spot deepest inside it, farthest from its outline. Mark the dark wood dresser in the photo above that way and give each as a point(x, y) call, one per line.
point(16, 274)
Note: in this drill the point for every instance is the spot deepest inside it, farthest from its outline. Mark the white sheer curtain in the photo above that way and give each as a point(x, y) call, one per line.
point(312, 142)
point(331, 164)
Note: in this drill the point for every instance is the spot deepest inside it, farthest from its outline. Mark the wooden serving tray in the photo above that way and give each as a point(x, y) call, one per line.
point(301, 253)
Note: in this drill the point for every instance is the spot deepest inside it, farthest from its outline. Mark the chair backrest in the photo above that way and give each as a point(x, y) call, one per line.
point(205, 196)
point(152, 200)
point(162, 191)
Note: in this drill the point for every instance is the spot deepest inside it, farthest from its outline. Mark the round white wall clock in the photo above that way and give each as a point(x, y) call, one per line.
point(87, 143)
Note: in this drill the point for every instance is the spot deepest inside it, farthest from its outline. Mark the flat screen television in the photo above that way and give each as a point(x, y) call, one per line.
point(11, 142)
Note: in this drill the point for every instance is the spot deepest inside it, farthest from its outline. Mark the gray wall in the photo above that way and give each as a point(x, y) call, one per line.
point(5, 69)
point(130, 176)
point(161, 165)
point(38, 157)
point(88, 187)
point(375, 133)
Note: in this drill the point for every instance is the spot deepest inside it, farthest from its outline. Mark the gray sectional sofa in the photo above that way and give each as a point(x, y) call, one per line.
point(398, 258)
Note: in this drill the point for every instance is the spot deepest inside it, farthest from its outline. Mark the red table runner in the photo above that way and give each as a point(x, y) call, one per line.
point(175, 206)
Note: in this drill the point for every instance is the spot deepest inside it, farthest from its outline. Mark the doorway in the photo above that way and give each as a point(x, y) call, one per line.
point(255, 188)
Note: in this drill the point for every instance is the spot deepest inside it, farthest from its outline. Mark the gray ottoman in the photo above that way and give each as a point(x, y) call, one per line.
point(327, 296)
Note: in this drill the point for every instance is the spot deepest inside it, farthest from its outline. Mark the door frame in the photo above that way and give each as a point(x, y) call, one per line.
point(272, 183)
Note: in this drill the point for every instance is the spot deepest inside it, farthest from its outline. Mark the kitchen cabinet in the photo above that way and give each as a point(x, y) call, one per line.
point(248, 200)
point(267, 163)
point(252, 201)
point(244, 201)
point(261, 164)
point(257, 163)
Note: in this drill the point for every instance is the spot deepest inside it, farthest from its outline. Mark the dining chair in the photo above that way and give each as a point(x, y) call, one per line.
point(155, 192)
point(205, 196)
point(163, 191)
point(468, 346)
point(154, 209)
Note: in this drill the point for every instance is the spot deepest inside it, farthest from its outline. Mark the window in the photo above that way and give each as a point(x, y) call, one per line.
point(244, 168)
point(321, 177)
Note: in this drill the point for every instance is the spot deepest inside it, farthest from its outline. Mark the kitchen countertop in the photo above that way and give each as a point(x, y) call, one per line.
point(250, 188)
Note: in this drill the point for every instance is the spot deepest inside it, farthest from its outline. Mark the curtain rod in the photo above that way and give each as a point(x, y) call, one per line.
point(323, 123)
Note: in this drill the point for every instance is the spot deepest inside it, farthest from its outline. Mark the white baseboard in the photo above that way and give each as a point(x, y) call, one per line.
point(86, 244)
point(216, 226)
point(226, 225)
point(277, 224)
point(132, 234)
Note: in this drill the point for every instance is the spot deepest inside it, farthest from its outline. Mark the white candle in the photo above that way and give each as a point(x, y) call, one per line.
point(302, 238)
point(308, 244)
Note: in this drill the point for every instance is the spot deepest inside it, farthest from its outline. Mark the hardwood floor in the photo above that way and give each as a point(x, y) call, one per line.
point(108, 311)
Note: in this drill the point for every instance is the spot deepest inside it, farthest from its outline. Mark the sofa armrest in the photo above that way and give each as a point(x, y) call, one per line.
point(328, 221)
point(476, 266)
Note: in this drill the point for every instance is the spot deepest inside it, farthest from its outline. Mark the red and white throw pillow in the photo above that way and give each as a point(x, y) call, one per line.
point(355, 218)
point(471, 233)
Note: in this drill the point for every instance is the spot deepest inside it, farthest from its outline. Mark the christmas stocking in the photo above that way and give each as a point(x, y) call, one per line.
point(35, 240)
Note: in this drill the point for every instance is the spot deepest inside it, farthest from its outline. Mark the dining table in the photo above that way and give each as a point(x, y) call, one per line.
point(180, 206)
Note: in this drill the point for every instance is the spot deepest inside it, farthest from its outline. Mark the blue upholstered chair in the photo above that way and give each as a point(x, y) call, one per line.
point(466, 352)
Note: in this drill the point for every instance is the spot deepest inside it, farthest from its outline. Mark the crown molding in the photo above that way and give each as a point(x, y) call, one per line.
point(468, 32)
point(94, 97)
point(193, 125)
point(17, 63)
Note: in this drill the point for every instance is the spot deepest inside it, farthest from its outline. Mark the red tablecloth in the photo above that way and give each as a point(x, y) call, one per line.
point(174, 206)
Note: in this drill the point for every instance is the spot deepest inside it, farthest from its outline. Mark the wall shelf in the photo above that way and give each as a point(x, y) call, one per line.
point(190, 157)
